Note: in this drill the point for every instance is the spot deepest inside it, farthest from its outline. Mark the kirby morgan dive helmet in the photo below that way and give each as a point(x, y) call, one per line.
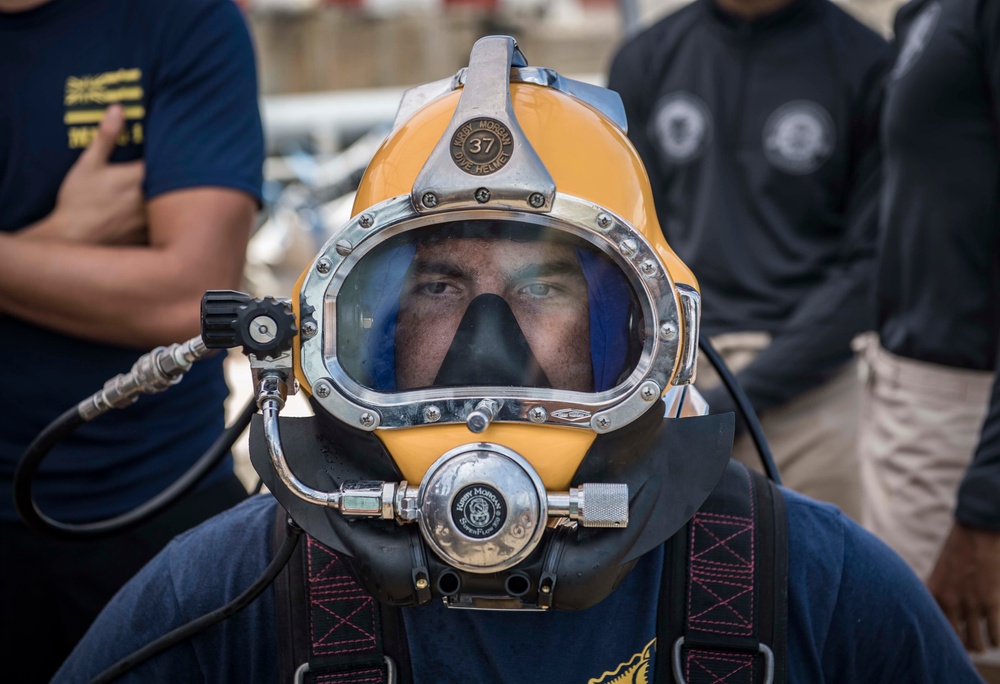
point(498, 346)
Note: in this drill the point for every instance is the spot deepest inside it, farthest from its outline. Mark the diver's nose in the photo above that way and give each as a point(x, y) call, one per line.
point(489, 348)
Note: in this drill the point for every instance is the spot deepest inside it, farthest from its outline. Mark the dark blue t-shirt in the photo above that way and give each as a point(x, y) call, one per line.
point(184, 73)
point(856, 614)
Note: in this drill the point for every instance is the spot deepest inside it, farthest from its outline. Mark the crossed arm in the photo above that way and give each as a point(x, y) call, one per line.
point(109, 267)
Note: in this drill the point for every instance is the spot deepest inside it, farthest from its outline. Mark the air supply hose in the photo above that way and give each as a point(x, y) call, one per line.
point(190, 629)
point(745, 407)
point(153, 372)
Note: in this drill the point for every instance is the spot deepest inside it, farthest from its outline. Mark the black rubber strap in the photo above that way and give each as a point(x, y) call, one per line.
point(672, 605)
point(289, 602)
point(772, 573)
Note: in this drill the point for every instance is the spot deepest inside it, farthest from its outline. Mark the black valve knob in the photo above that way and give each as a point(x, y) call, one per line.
point(263, 327)
point(220, 309)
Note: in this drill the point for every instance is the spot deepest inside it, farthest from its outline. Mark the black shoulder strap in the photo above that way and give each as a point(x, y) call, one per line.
point(724, 599)
point(329, 629)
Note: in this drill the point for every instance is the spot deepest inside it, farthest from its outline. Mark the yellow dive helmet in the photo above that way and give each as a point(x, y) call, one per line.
point(500, 141)
point(491, 345)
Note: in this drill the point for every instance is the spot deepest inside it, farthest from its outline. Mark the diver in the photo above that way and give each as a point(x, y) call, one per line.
point(509, 476)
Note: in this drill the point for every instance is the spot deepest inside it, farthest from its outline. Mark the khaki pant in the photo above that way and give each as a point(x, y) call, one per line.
point(812, 438)
point(920, 429)
point(918, 435)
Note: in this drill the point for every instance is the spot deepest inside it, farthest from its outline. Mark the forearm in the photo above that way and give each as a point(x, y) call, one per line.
point(814, 344)
point(978, 498)
point(132, 296)
point(138, 296)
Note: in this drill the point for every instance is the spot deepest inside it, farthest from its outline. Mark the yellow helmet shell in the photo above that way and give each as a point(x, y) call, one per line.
point(588, 156)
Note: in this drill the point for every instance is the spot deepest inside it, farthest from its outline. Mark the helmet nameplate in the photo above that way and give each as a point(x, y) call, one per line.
point(517, 178)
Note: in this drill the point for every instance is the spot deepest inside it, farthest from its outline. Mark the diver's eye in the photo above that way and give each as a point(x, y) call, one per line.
point(537, 289)
point(436, 287)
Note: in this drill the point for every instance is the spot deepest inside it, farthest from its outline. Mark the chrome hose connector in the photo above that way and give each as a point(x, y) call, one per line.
point(154, 372)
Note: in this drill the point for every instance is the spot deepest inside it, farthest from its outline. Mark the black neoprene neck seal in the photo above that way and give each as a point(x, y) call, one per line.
point(669, 465)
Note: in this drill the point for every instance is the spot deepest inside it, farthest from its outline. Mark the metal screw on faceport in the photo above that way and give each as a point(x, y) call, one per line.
point(308, 328)
point(648, 268)
point(537, 200)
point(603, 221)
point(537, 415)
point(366, 221)
point(649, 391)
point(429, 200)
point(367, 419)
point(628, 247)
point(482, 195)
point(432, 414)
point(344, 247)
point(322, 389)
point(603, 422)
point(324, 265)
point(668, 331)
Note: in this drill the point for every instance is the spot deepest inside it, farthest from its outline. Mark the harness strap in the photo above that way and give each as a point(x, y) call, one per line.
point(330, 631)
point(735, 598)
point(722, 615)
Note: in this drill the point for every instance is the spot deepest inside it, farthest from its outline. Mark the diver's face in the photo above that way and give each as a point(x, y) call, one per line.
point(540, 281)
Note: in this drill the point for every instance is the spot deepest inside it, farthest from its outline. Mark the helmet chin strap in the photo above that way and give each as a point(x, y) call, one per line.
point(570, 567)
point(490, 349)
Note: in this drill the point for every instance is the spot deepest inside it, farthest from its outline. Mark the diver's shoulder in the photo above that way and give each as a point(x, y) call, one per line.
point(248, 518)
point(820, 534)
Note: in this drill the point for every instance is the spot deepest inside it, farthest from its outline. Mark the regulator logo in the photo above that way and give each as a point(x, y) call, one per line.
point(479, 511)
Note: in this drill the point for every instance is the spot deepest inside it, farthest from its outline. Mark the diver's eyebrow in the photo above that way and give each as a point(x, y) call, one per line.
point(442, 268)
point(562, 267)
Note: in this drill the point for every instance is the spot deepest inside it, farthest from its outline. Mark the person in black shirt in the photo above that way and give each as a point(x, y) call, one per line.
point(757, 123)
point(930, 443)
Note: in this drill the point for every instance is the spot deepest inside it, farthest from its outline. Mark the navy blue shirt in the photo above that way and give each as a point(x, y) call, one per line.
point(856, 614)
point(184, 73)
point(760, 140)
point(939, 257)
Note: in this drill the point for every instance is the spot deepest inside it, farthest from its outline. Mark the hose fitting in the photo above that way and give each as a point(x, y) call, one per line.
point(152, 373)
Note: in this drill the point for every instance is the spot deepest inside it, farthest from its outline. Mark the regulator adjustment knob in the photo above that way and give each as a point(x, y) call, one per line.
point(263, 327)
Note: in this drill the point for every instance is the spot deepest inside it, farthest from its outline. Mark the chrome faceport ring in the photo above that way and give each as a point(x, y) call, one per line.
point(669, 327)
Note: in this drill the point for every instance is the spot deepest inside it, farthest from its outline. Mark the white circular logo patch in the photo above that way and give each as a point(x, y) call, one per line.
point(683, 126)
point(479, 511)
point(916, 39)
point(799, 137)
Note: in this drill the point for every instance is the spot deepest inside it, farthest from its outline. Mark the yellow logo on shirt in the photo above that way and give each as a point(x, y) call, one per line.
point(87, 97)
point(635, 671)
